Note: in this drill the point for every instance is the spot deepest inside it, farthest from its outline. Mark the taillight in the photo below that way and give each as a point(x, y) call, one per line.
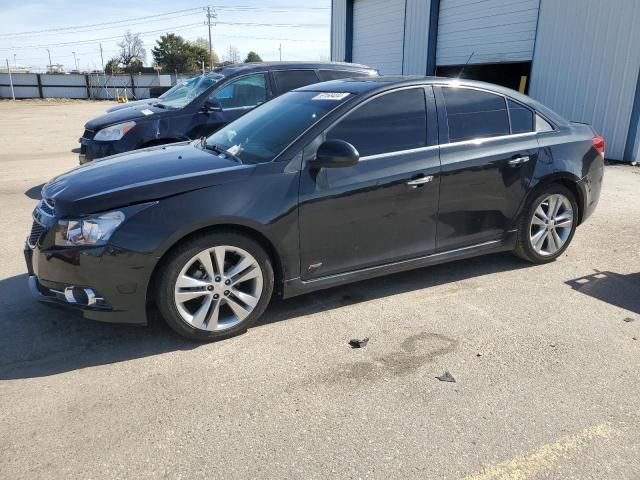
point(598, 144)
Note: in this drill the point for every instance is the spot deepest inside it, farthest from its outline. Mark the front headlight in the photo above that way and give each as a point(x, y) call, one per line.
point(114, 132)
point(92, 230)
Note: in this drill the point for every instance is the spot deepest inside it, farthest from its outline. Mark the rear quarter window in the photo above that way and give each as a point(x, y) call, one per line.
point(521, 117)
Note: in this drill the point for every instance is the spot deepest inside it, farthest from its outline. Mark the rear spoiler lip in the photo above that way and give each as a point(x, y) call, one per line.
point(573, 122)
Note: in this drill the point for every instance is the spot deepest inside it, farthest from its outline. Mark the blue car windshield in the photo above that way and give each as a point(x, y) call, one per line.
point(264, 132)
point(183, 93)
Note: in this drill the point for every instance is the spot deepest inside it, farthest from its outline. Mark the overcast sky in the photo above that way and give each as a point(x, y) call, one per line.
point(301, 26)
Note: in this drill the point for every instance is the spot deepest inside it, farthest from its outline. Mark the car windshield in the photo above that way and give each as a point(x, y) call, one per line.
point(263, 133)
point(182, 93)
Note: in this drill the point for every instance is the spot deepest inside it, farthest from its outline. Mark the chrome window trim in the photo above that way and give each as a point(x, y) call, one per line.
point(482, 140)
point(398, 153)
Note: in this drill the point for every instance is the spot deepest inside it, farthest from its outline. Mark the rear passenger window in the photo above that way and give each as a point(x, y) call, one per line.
point(291, 79)
point(392, 122)
point(475, 114)
point(326, 75)
point(521, 118)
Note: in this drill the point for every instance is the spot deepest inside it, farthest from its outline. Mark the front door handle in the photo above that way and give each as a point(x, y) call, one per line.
point(519, 160)
point(419, 181)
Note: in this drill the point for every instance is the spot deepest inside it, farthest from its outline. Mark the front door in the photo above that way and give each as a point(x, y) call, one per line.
point(234, 98)
point(488, 155)
point(384, 208)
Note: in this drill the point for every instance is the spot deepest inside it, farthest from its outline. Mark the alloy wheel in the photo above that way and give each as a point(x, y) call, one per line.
point(218, 288)
point(551, 224)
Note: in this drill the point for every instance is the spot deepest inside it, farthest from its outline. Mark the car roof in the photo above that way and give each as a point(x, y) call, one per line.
point(236, 68)
point(372, 85)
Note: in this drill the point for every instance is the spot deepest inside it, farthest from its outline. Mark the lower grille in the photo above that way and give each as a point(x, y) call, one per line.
point(36, 232)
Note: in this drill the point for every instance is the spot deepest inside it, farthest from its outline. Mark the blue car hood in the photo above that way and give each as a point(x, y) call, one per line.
point(140, 176)
point(133, 112)
point(120, 106)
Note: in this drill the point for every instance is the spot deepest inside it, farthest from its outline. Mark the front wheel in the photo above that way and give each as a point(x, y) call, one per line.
point(547, 225)
point(215, 286)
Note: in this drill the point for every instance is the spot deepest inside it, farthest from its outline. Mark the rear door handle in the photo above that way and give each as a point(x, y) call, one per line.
point(419, 181)
point(519, 160)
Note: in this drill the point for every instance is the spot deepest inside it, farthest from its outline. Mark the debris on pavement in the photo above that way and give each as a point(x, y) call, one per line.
point(446, 377)
point(359, 343)
point(629, 319)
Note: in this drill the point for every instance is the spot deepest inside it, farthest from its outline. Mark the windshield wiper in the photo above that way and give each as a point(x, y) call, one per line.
point(218, 149)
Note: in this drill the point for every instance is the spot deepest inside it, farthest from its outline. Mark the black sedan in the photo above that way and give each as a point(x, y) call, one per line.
point(331, 183)
point(200, 106)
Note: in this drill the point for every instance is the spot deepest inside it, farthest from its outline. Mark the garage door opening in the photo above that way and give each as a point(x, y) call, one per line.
point(511, 75)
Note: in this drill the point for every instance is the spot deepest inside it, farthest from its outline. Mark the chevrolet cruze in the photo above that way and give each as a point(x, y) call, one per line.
point(331, 183)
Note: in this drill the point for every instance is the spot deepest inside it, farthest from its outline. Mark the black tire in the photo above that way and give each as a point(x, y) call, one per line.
point(178, 258)
point(524, 248)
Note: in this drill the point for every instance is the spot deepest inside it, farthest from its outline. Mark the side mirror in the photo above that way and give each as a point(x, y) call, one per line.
point(212, 105)
point(335, 154)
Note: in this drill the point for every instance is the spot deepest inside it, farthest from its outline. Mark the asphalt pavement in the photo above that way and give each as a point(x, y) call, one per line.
point(546, 362)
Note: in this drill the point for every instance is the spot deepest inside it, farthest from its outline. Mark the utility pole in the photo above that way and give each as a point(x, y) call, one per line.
point(15, 65)
point(280, 50)
point(101, 57)
point(75, 61)
point(50, 64)
point(209, 17)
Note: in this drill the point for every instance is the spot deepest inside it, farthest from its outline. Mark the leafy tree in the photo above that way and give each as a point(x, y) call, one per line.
point(174, 53)
point(204, 43)
point(113, 66)
point(132, 53)
point(252, 57)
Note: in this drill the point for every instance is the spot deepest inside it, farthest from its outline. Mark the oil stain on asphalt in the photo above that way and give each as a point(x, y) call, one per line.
point(415, 351)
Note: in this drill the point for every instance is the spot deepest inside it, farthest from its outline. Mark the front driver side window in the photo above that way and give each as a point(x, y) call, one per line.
point(392, 122)
point(245, 92)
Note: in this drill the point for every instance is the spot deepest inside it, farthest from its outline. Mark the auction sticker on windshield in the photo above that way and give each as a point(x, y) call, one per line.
point(330, 96)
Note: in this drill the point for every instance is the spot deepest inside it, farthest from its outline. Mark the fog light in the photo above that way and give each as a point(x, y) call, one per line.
point(80, 296)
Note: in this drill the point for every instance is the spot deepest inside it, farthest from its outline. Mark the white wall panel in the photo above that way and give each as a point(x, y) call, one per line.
point(378, 34)
point(494, 30)
point(586, 64)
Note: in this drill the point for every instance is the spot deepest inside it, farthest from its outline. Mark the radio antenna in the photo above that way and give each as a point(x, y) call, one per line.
point(466, 63)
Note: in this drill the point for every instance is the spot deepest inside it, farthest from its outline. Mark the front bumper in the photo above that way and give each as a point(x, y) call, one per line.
point(117, 279)
point(91, 149)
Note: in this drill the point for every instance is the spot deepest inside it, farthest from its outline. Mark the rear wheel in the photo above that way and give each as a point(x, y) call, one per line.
point(215, 286)
point(547, 225)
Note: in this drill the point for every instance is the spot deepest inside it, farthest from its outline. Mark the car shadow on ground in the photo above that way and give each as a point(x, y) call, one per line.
point(34, 193)
point(616, 289)
point(39, 340)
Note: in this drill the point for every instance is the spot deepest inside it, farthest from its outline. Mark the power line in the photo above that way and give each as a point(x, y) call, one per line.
point(95, 40)
point(118, 22)
point(110, 27)
point(281, 8)
point(162, 30)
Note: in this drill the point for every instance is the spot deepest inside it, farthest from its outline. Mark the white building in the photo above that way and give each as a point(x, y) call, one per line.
point(580, 57)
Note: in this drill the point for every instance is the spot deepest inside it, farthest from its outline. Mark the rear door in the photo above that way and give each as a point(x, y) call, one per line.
point(384, 208)
point(287, 80)
point(488, 154)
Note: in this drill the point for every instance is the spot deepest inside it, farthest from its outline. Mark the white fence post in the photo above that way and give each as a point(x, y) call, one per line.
point(13, 94)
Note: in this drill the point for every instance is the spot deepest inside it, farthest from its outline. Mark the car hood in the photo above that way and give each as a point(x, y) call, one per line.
point(120, 106)
point(141, 176)
point(132, 112)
